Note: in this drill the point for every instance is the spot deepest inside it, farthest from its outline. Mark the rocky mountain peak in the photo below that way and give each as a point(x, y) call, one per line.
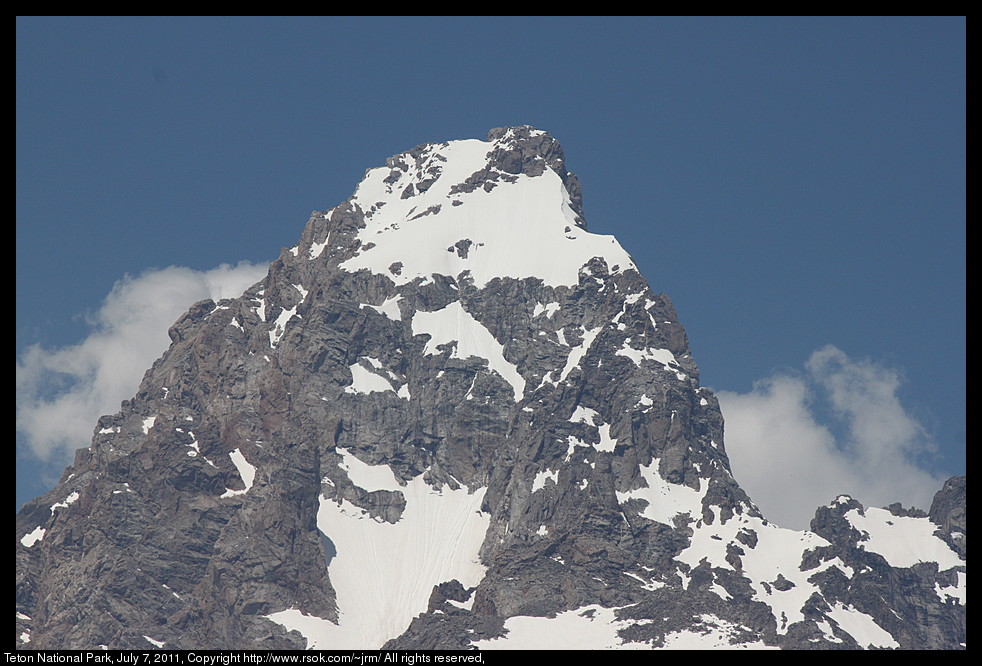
point(452, 417)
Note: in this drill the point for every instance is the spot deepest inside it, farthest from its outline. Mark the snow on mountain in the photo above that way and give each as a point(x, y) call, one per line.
point(423, 216)
point(452, 325)
point(384, 572)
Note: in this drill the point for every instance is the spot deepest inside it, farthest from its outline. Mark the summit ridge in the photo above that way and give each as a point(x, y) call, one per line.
point(464, 207)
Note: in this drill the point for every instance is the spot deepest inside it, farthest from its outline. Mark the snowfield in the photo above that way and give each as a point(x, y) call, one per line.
point(384, 573)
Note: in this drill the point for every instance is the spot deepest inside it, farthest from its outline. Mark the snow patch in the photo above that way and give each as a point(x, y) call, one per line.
point(589, 417)
point(861, 627)
point(549, 309)
point(956, 592)
point(32, 538)
point(596, 628)
point(279, 326)
point(389, 308)
point(903, 541)
point(577, 353)
point(246, 471)
point(586, 628)
point(665, 500)
point(384, 573)
point(607, 443)
point(540, 479)
point(365, 381)
point(65, 502)
point(663, 356)
point(454, 324)
point(316, 249)
point(368, 477)
point(573, 444)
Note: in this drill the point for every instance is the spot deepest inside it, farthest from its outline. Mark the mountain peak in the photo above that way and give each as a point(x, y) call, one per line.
point(450, 417)
point(509, 200)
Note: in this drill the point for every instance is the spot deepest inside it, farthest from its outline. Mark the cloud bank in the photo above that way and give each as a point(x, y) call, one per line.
point(62, 392)
point(789, 462)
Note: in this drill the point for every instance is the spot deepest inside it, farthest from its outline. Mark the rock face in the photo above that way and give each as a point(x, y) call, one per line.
point(451, 417)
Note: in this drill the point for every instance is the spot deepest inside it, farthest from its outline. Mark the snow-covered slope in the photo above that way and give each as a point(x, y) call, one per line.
point(383, 572)
point(423, 215)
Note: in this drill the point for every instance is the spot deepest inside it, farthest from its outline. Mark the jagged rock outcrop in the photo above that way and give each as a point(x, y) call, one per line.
point(450, 417)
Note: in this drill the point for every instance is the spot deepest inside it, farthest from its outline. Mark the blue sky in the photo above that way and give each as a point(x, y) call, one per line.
point(795, 185)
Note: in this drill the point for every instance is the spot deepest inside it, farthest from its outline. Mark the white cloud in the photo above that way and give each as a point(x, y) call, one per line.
point(790, 463)
point(61, 393)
